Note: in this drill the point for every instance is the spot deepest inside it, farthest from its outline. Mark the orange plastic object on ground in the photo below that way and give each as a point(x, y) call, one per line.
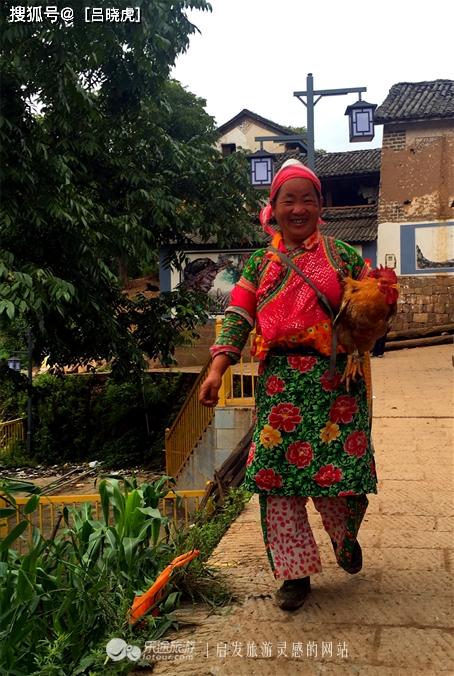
point(144, 602)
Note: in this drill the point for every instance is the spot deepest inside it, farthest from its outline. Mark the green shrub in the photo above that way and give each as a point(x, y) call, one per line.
point(79, 418)
point(130, 419)
point(13, 393)
point(62, 418)
point(15, 455)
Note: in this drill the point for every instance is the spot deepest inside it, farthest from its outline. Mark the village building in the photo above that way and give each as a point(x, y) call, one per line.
point(416, 201)
point(395, 205)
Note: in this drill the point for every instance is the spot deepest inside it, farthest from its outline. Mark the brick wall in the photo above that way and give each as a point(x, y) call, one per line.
point(395, 140)
point(195, 355)
point(391, 212)
point(417, 184)
point(417, 173)
point(424, 302)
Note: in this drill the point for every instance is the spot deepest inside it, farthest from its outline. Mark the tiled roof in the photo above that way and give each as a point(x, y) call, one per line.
point(245, 113)
point(257, 238)
point(351, 224)
point(417, 101)
point(350, 163)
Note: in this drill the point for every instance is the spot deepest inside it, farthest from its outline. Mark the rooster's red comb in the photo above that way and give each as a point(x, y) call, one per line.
point(386, 274)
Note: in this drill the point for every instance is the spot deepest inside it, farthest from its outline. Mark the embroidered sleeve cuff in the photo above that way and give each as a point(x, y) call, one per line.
point(242, 312)
point(232, 352)
point(234, 333)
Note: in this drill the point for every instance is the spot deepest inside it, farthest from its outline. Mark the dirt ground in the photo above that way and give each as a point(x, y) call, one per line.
point(395, 617)
point(77, 483)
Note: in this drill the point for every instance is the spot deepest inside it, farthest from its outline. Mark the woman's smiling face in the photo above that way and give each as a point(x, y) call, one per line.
point(297, 210)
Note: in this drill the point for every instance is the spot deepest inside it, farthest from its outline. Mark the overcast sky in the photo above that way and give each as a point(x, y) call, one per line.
point(255, 53)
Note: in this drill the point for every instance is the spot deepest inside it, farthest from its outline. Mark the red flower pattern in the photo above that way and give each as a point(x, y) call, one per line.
point(285, 417)
point(250, 457)
point(356, 444)
point(300, 453)
point(345, 494)
point(343, 409)
point(274, 385)
point(330, 384)
point(303, 364)
point(268, 479)
point(328, 475)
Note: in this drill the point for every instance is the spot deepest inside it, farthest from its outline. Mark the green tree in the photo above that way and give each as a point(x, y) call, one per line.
point(299, 130)
point(103, 161)
point(186, 118)
point(303, 132)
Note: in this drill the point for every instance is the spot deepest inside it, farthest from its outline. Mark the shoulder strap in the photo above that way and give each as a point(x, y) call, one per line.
point(335, 257)
point(322, 299)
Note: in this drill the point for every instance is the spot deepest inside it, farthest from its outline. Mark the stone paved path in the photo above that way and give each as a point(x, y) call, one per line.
point(396, 615)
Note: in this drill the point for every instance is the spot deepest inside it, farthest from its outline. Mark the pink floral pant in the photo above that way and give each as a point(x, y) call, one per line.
point(292, 550)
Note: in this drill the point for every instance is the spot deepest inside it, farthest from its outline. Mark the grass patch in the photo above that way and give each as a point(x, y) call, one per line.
point(199, 583)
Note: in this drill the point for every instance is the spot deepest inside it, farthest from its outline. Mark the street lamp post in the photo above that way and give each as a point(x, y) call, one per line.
point(310, 103)
point(30, 391)
point(14, 363)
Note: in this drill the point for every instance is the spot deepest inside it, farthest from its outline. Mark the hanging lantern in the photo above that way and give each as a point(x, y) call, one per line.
point(14, 363)
point(361, 121)
point(262, 165)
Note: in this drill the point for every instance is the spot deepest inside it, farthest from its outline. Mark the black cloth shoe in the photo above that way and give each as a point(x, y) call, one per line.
point(356, 563)
point(292, 594)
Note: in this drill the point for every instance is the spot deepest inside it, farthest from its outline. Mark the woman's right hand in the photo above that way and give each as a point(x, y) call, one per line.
point(208, 395)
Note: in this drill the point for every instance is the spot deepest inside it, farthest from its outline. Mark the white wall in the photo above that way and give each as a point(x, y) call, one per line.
point(434, 238)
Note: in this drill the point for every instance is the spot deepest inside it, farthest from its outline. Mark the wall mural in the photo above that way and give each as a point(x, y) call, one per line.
point(426, 248)
point(423, 262)
point(215, 274)
point(434, 247)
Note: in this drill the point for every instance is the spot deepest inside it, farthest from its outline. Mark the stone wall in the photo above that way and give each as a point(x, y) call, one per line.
point(424, 302)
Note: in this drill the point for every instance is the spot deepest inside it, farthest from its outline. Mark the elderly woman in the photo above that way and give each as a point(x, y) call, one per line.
point(312, 437)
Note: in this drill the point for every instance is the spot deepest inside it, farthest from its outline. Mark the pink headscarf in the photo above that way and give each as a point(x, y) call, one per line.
point(290, 169)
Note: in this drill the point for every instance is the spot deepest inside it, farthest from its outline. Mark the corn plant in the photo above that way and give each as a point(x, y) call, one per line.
point(67, 593)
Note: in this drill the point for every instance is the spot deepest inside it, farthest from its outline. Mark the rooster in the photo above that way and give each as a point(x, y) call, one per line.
point(366, 309)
